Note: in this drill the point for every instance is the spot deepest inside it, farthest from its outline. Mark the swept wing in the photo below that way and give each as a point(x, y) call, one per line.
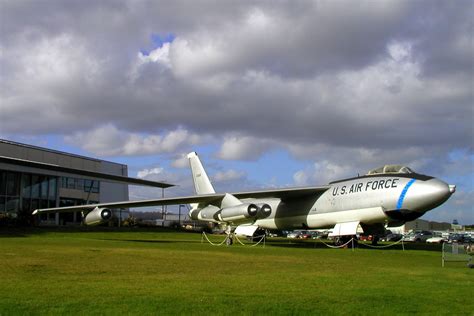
point(283, 194)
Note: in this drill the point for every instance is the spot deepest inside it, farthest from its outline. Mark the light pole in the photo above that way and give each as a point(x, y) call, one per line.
point(179, 214)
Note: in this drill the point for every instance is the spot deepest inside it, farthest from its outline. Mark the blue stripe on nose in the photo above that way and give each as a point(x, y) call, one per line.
point(404, 192)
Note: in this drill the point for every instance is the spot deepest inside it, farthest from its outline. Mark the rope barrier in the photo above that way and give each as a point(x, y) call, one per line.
point(386, 246)
point(237, 238)
point(342, 246)
point(204, 235)
point(262, 238)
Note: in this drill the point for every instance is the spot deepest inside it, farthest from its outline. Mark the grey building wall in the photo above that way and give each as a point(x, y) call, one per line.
point(45, 155)
point(420, 224)
point(112, 192)
point(109, 192)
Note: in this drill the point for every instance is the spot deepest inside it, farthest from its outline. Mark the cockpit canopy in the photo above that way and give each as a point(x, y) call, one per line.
point(390, 169)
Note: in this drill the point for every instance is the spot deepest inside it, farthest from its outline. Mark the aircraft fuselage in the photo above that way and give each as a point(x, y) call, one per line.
point(368, 199)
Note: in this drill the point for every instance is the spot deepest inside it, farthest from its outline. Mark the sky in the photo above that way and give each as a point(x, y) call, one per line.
point(269, 93)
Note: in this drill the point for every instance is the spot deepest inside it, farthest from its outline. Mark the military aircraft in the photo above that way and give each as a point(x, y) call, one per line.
point(392, 194)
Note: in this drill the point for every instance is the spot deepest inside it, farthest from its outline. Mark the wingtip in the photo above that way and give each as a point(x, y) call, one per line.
point(35, 212)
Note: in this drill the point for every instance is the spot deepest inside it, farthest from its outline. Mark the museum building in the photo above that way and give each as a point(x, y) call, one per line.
point(33, 177)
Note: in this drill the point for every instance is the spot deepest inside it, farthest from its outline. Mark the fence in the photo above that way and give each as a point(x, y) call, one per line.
point(457, 253)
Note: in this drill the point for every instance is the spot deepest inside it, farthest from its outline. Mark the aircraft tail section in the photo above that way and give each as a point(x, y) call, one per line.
point(202, 184)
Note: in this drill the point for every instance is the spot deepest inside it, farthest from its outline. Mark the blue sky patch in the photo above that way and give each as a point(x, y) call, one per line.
point(157, 41)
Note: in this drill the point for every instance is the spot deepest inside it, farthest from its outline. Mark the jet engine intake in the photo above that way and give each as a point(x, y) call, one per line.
point(98, 216)
point(240, 212)
point(264, 211)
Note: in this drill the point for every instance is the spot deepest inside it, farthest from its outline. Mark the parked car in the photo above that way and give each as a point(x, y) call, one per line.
point(366, 237)
point(293, 235)
point(321, 235)
point(392, 237)
point(436, 240)
point(418, 236)
point(459, 238)
point(305, 235)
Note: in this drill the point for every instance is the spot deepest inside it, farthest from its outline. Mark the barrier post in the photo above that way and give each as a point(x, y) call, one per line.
point(442, 255)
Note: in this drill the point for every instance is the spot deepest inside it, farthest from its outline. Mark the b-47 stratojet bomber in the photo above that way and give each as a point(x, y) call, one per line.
point(392, 194)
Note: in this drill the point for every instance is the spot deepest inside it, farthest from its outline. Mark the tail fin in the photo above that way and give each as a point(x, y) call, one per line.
point(202, 184)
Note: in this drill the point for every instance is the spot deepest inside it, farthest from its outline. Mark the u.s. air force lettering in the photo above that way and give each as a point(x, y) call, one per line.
point(365, 186)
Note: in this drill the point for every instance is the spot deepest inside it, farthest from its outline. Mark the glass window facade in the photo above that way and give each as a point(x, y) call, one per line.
point(92, 186)
point(21, 193)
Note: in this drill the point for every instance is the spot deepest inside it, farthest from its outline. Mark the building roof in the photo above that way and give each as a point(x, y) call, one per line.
point(5, 141)
point(74, 171)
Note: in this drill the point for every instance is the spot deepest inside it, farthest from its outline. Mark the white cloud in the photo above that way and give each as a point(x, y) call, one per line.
point(109, 141)
point(180, 162)
point(400, 51)
point(147, 172)
point(243, 148)
point(158, 56)
point(191, 58)
point(229, 175)
point(322, 173)
point(301, 178)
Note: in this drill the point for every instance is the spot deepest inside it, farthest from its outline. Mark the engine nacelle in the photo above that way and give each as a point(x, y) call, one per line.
point(264, 211)
point(238, 213)
point(209, 213)
point(98, 216)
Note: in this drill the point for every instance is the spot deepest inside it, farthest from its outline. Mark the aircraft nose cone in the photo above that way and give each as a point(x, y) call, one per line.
point(452, 188)
point(430, 194)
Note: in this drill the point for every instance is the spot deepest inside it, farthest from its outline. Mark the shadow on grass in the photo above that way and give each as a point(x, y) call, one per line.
point(16, 232)
point(152, 241)
point(287, 243)
point(9, 231)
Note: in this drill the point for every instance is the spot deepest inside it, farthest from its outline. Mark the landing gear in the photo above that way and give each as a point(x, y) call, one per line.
point(230, 237)
point(375, 240)
point(343, 240)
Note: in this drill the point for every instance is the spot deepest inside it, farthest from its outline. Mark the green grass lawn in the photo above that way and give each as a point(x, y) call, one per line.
point(149, 272)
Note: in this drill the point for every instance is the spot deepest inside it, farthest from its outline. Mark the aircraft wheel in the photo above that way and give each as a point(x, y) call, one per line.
point(339, 241)
point(375, 241)
point(229, 241)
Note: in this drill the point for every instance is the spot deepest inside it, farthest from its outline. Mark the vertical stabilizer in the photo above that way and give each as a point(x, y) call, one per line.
point(202, 184)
